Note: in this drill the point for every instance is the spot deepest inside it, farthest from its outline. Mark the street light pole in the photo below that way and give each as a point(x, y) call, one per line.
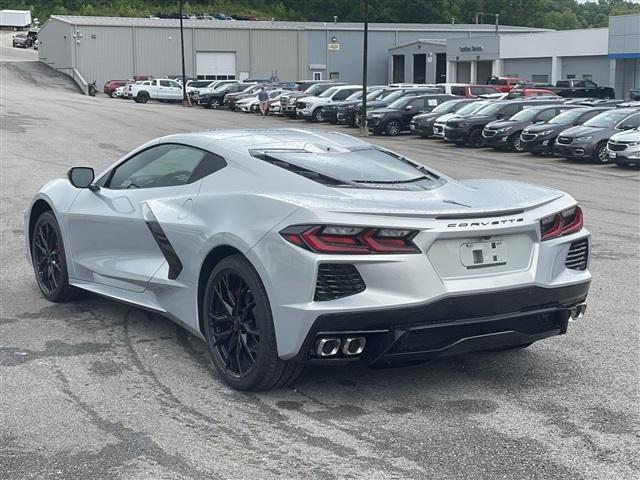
point(184, 77)
point(364, 128)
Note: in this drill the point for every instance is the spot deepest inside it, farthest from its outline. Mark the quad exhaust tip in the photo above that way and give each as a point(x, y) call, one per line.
point(330, 346)
point(577, 312)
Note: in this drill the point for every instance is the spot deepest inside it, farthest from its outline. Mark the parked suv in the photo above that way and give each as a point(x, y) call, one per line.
point(539, 138)
point(473, 91)
point(21, 40)
point(468, 130)
point(505, 134)
point(346, 111)
point(590, 139)
point(396, 117)
point(624, 147)
point(310, 108)
point(422, 124)
point(288, 102)
point(215, 99)
point(390, 97)
point(472, 107)
point(330, 112)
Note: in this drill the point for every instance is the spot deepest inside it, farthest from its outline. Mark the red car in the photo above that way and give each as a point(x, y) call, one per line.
point(473, 91)
point(111, 85)
point(531, 92)
point(505, 84)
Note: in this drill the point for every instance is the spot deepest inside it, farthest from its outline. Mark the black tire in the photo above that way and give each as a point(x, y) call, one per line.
point(142, 97)
point(600, 154)
point(510, 347)
point(393, 128)
point(316, 116)
point(475, 139)
point(50, 262)
point(239, 329)
point(514, 144)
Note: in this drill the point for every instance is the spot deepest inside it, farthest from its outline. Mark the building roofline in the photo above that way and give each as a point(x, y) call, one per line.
point(279, 25)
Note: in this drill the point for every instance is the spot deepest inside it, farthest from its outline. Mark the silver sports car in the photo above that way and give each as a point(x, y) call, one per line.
point(286, 247)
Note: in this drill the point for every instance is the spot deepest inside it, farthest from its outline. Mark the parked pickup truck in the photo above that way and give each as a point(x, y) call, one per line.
point(158, 89)
point(572, 88)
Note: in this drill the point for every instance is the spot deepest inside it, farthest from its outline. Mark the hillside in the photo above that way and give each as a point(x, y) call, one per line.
point(557, 14)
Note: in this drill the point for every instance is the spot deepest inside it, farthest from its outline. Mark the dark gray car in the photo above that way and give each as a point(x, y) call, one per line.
point(589, 140)
point(539, 138)
point(505, 134)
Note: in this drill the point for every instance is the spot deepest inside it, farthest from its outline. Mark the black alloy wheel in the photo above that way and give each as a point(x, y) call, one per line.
point(392, 128)
point(142, 97)
point(49, 260)
point(475, 138)
point(515, 143)
point(238, 327)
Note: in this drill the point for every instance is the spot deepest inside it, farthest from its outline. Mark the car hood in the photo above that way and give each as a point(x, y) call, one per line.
point(627, 136)
point(455, 198)
point(382, 110)
point(426, 116)
point(541, 127)
point(506, 123)
point(582, 131)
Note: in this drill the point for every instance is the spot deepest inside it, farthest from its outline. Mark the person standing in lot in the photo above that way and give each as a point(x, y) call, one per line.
point(263, 98)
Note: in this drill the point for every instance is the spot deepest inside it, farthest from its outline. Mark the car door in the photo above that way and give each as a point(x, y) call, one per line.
point(414, 107)
point(120, 235)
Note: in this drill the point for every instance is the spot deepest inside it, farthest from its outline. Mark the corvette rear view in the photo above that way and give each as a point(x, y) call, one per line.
point(282, 248)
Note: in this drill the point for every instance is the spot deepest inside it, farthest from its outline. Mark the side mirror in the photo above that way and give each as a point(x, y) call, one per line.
point(500, 116)
point(408, 107)
point(82, 177)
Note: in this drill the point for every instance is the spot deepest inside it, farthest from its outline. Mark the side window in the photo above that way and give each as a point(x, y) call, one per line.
point(579, 84)
point(510, 110)
point(547, 115)
point(589, 84)
point(164, 165)
point(165, 83)
point(342, 94)
point(417, 104)
point(457, 91)
point(476, 90)
point(175, 84)
point(630, 122)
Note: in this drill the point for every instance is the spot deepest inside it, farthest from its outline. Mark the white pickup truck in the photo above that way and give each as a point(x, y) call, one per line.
point(159, 89)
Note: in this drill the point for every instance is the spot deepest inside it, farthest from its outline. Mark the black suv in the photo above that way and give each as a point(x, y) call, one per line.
point(540, 138)
point(396, 117)
point(388, 99)
point(215, 99)
point(422, 124)
point(330, 113)
point(468, 130)
point(288, 102)
point(505, 134)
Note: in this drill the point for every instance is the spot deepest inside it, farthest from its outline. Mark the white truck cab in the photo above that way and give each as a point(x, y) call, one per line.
point(157, 89)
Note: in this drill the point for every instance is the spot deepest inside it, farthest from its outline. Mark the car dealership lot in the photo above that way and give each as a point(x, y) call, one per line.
point(96, 389)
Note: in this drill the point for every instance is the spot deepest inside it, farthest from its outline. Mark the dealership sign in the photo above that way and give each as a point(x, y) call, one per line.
point(471, 48)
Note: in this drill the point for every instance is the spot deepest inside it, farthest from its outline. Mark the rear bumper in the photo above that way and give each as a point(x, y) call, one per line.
point(449, 326)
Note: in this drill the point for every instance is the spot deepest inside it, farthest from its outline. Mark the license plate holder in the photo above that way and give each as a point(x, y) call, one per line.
point(483, 254)
point(612, 154)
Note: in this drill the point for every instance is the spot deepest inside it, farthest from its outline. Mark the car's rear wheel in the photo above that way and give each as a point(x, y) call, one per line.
point(392, 128)
point(475, 138)
point(142, 97)
point(239, 329)
point(600, 154)
point(49, 260)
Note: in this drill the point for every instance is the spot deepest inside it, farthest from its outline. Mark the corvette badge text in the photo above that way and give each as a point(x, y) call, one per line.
point(486, 223)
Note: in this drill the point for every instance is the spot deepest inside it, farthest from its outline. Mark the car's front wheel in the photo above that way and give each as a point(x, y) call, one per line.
point(392, 128)
point(475, 138)
point(142, 97)
point(514, 143)
point(317, 115)
point(49, 260)
point(600, 154)
point(239, 329)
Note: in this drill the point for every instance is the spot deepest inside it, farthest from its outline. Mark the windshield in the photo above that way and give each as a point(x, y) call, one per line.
point(328, 93)
point(445, 107)
point(363, 166)
point(401, 102)
point(525, 115)
point(471, 108)
point(376, 95)
point(199, 84)
point(567, 117)
point(490, 109)
point(355, 95)
point(606, 119)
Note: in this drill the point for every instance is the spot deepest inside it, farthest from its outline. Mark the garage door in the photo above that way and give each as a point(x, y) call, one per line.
point(216, 65)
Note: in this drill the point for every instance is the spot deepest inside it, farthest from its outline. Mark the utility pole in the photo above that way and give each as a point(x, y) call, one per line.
point(184, 76)
point(497, 22)
point(364, 128)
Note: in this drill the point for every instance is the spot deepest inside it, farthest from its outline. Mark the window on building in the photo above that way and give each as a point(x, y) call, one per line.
point(570, 76)
point(334, 75)
point(317, 75)
point(587, 76)
point(540, 78)
point(398, 69)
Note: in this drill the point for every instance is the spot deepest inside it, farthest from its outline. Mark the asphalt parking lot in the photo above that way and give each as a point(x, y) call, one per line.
point(100, 390)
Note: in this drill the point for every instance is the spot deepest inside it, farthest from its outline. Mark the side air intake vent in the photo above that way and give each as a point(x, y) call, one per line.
point(337, 280)
point(578, 255)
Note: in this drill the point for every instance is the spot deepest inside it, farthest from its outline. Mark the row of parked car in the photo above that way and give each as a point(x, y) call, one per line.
point(521, 120)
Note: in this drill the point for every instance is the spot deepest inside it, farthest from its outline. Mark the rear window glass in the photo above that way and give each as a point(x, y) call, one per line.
point(457, 91)
point(361, 166)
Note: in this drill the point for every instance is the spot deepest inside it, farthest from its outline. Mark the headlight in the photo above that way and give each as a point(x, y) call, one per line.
point(583, 139)
point(547, 132)
point(633, 144)
point(505, 129)
point(375, 115)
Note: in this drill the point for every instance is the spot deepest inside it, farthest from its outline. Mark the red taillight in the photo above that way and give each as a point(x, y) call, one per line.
point(563, 223)
point(336, 239)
